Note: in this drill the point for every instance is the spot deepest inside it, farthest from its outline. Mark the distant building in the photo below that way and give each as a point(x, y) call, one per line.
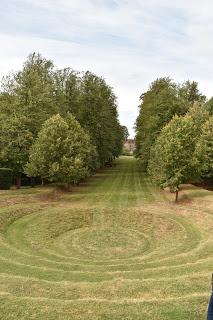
point(129, 145)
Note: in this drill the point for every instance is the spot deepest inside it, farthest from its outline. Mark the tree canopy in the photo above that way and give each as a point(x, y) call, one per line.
point(159, 104)
point(15, 142)
point(173, 157)
point(39, 91)
point(205, 148)
point(62, 151)
point(94, 105)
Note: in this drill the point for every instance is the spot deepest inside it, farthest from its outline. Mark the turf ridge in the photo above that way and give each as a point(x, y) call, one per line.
point(114, 248)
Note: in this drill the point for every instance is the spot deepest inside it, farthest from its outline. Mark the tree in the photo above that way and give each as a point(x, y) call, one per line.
point(62, 152)
point(68, 87)
point(119, 139)
point(99, 116)
point(15, 142)
point(209, 105)
point(35, 90)
point(94, 105)
point(159, 104)
point(189, 94)
point(30, 92)
point(173, 157)
point(38, 92)
point(125, 132)
point(27, 99)
point(8, 99)
point(204, 148)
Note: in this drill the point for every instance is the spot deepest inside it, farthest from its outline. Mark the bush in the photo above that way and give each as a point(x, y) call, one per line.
point(6, 178)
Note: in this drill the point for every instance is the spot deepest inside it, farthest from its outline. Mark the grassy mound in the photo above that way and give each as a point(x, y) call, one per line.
point(115, 248)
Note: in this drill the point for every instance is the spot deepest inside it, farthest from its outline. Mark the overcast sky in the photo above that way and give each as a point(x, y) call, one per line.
point(129, 43)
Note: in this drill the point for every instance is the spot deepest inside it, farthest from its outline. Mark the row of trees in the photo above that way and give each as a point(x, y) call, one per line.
point(59, 124)
point(174, 138)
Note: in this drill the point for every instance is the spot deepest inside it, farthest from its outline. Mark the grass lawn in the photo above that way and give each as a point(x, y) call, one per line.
point(114, 248)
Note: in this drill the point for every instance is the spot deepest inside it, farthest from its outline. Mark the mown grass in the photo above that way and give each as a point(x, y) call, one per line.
point(114, 248)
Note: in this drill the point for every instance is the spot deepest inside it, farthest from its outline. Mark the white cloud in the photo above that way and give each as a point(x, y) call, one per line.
point(129, 43)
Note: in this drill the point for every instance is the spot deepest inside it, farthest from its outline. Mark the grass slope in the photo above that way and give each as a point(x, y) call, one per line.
point(115, 248)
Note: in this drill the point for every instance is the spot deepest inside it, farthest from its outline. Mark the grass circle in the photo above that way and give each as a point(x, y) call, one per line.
point(103, 243)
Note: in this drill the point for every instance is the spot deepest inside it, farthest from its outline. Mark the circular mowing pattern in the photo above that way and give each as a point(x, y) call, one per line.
point(45, 239)
point(47, 261)
point(70, 260)
point(102, 243)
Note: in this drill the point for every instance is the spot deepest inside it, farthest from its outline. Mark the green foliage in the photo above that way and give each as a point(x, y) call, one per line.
point(205, 148)
point(62, 152)
point(30, 92)
point(15, 142)
point(98, 115)
point(159, 104)
point(125, 132)
point(93, 103)
point(26, 101)
point(189, 94)
point(173, 157)
point(33, 95)
point(68, 85)
point(209, 105)
point(6, 178)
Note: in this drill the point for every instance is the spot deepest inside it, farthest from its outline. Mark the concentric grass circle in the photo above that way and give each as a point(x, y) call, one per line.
point(116, 249)
point(102, 243)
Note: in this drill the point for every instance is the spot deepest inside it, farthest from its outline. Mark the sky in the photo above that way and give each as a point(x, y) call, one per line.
point(129, 43)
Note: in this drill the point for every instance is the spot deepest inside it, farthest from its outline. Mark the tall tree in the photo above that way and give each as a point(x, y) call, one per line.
point(204, 148)
point(68, 85)
point(35, 90)
point(173, 156)
point(159, 104)
point(125, 132)
point(209, 105)
point(94, 105)
point(31, 92)
point(62, 152)
point(189, 94)
point(38, 92)
point(99, 115)
point(27, 99)
point(15, 142)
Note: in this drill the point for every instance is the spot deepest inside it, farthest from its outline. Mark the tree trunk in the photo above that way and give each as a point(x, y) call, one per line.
point(42, 181)
point(32, 182)
point(18, 182)
point(176, 195)
point(68, 187)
